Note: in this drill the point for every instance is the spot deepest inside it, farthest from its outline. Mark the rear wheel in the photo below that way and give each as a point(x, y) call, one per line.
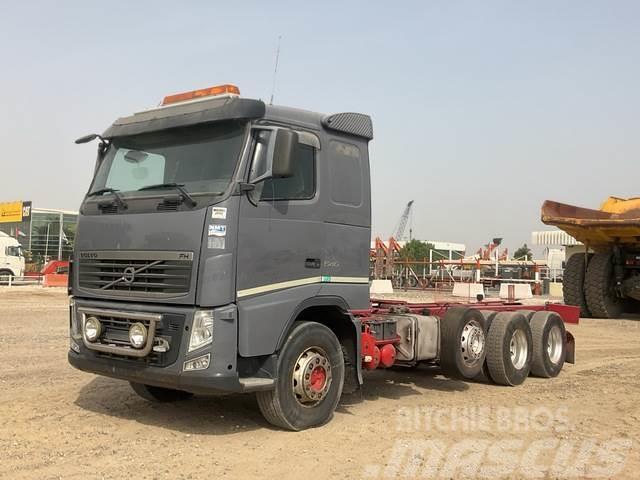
point(462, 342)
point(601, 296)
point(310, 379)
point(159, 394)
point(549, 352)
point(573, 282)
point(509, 348)
point(484, 376)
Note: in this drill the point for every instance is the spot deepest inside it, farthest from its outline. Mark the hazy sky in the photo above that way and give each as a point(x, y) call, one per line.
point(481, 110)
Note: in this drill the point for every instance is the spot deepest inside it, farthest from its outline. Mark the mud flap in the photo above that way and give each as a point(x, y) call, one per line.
point(570, 346)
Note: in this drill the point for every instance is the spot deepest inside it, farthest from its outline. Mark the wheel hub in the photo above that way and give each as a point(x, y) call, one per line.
point(311, 376)
point(472, 342)
point(554, 344)
point(518, 349)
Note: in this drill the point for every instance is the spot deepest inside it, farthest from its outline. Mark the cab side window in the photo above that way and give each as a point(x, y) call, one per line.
point(300, 186)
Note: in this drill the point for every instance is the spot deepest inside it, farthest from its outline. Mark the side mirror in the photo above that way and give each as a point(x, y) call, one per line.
point(286, 142)
point(273, 155)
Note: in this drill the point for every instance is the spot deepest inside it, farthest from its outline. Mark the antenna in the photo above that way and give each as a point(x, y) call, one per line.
point(275, 71)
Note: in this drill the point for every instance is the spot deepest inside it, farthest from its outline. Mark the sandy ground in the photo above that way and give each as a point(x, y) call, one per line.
point(56, 422)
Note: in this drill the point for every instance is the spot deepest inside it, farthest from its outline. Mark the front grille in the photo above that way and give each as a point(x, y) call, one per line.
point(149, 274)
point(115, 333)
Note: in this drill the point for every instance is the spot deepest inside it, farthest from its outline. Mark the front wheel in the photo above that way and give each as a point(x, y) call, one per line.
point(310, 379)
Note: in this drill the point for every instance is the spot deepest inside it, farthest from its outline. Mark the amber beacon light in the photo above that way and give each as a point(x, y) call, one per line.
point(226, 89)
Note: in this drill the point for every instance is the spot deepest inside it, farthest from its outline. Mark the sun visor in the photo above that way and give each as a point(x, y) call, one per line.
point(186, 114)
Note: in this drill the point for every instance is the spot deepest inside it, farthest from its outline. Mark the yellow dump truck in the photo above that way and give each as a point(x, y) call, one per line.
point(604, 281)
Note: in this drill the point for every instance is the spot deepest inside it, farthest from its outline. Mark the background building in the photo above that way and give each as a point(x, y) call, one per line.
point(44, 233)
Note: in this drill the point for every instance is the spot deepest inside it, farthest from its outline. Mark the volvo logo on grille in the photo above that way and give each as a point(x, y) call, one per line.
point(129, 275)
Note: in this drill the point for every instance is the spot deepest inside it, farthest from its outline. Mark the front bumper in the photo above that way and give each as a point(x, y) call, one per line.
point(221, 376)
point(203, 383)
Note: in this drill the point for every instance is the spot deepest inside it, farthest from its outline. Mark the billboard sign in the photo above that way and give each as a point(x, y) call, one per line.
point(12, 212)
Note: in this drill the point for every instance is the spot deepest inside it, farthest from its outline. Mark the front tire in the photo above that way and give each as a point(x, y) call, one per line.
point(601, 297)
point(310, 379)
point(159, 394)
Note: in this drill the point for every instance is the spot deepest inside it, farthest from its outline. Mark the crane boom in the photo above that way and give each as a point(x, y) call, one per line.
point(398, 234)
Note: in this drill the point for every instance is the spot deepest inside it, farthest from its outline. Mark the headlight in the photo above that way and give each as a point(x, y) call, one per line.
point(201, 330)
point(92, 329)
point(138, 335)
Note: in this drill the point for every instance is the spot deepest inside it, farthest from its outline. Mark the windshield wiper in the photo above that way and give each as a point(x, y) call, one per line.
point(115, 193)
point(177, 186)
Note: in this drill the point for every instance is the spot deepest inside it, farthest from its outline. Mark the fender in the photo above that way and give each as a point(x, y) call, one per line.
point(327, 301)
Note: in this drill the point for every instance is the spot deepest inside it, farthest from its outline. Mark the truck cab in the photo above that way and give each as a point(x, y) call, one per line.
point(221, 247)
point(11, 257)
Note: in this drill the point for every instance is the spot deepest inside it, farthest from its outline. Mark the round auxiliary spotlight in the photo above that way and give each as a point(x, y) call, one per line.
point(138, 335)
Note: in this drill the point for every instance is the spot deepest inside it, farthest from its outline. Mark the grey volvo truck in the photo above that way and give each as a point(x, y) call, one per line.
point(223, 246)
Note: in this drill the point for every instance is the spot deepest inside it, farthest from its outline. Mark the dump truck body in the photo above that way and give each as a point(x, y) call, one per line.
point(607, 283)
point(617, 221)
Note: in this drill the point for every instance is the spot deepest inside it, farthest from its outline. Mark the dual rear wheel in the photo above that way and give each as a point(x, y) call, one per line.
point(503, 347)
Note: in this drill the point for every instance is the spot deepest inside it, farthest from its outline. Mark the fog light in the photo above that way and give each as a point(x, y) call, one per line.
point(138, 335)
point(74, 346)
point(92, 329)
point(200, 363)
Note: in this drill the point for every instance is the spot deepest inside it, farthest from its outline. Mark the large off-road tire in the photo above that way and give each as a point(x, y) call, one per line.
point(549, 345)
point(509, 348)
point(310, 379)
point(159, 394)
point(462, 342)
point(573, 282)
point(599, 287)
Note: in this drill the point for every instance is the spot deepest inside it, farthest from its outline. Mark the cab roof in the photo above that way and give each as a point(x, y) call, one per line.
point(232, 107)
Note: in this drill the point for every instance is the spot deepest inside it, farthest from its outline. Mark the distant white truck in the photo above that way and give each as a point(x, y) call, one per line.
point(11, 257)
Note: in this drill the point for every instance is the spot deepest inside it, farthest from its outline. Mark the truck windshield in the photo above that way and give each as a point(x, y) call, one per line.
point(202, 159)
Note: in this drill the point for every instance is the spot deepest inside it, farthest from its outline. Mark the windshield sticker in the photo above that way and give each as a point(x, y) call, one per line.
point(219, 213)
point(217, 230)
point(216, 243)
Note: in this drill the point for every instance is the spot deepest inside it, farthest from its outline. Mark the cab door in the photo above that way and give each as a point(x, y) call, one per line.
point(280, 245)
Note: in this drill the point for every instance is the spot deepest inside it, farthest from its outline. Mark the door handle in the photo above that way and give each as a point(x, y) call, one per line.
point(312, 263)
